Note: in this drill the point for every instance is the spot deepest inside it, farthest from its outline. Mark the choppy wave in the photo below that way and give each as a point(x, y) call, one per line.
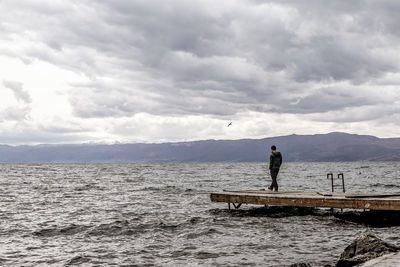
point(56, 231)
point(161, 215)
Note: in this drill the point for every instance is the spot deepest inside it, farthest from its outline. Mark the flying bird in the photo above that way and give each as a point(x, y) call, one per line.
point(230, 124)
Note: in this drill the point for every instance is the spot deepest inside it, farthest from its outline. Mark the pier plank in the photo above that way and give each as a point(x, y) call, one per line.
point(310, 199)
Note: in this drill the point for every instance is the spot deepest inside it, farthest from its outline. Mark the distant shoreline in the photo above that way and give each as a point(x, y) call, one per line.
point(331, 147)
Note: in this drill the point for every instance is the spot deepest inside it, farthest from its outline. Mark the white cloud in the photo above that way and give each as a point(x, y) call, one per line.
point(14, 114)
point(18, 91)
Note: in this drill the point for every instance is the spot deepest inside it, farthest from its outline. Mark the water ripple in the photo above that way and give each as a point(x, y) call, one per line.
point(160, 214)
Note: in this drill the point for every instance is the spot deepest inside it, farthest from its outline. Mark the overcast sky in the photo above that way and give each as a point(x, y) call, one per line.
point(176, 70)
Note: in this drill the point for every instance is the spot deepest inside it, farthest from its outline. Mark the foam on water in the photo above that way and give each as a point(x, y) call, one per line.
point(160, 214)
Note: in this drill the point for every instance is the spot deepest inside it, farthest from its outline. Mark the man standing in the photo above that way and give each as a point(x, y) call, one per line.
point(275, 161)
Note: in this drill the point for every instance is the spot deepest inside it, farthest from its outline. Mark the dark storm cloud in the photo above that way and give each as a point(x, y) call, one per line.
point(202, 57)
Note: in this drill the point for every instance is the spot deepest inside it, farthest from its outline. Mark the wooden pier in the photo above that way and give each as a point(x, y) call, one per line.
point(370, 201)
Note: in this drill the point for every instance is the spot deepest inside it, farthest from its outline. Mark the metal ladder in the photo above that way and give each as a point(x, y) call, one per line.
point(340, 175)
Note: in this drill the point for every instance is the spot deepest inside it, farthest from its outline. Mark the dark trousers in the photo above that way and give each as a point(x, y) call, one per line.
point(274, 174)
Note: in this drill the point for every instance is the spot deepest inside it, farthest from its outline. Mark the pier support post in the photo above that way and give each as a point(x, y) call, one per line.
point(235, 205)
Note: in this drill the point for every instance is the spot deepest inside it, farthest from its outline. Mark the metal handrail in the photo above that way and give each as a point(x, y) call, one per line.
point(340, 175)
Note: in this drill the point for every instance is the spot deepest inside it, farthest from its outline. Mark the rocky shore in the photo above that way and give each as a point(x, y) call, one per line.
point(360, 251)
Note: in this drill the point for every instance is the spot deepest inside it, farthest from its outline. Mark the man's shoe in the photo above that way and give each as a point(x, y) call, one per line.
point(270, 188)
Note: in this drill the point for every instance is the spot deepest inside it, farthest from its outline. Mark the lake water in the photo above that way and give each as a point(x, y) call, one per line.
point(161, 214)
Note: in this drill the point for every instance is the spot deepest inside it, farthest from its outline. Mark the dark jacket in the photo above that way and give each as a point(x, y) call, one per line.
point(275, 160)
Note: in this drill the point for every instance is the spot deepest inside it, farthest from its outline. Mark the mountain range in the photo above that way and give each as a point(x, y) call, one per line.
point(334, 146)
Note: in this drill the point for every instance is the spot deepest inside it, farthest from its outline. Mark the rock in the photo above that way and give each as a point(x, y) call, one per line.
point(375, 218)
point(364, 249)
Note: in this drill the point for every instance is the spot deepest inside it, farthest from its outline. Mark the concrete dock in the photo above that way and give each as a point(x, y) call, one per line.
point(388, 260)
point(371, 201)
